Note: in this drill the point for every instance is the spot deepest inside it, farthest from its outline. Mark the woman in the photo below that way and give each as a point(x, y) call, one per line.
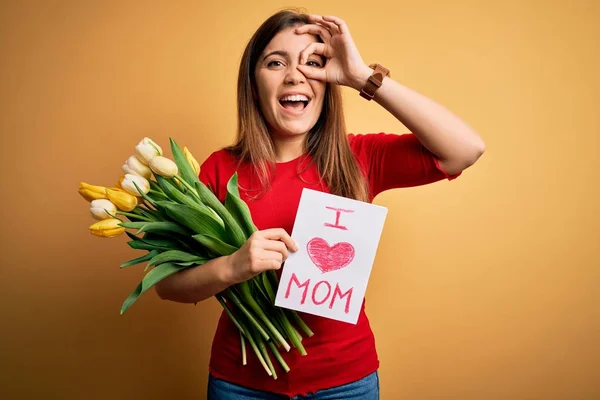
point(291, 135)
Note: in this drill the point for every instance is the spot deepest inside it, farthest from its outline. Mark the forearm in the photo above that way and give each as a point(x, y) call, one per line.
point(453, 142)
point(198, 283)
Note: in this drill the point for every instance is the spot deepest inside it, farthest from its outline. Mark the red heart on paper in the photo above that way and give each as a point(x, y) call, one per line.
point(329, 258)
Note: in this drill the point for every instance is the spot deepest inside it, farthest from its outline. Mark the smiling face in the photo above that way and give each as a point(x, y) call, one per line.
point(290, 102)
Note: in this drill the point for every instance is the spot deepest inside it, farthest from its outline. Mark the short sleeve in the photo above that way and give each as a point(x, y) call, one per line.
point(395, 161)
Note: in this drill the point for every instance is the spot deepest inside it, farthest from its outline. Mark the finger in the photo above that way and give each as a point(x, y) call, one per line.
point(333, 28)
point(313, 48)
point(313, 73)
point(341, 25)
point(264, 265)
point(272, 255)
point(280, 234)
point(276, 246)
point(315, 30)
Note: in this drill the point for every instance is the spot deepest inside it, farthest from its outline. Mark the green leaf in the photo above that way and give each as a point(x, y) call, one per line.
point(238, 208)
point(141, 245)
point(176, 256)
point(198, 220)
point(215, 244)
point(190, 263)
point(153, 242)
point(141, 259)
point(133, 225)
point(150, 279)
point(144, 195)
point(234, 231)
point(150, 214)
point(266, 284)
point(154, 186)
point(157, 196)
point(164, 227)
point(174, 192)
point(185, 169)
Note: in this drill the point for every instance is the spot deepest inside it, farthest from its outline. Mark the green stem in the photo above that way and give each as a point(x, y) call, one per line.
point(256, 308)
point(278, 356)
point(301, 323)
point(161, 195)
point(228, 311)
point(247, 313)
point(138, 216)
point(263, 350)
point(292, 333)
point(250, 338)
point(244, 361)
point(188, 186)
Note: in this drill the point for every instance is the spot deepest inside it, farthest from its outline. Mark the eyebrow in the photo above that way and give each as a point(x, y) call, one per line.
point(277, 52)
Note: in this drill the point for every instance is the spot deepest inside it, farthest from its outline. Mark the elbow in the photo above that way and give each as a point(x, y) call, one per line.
point(478, 150)
point(467, 157)
point(475, 150)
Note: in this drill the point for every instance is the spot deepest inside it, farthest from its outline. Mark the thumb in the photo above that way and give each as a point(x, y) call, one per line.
point(312, 73)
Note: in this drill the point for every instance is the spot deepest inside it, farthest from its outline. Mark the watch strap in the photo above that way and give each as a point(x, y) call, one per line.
point(375, 81)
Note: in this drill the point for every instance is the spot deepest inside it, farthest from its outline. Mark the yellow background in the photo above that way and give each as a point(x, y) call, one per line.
point(483, 288)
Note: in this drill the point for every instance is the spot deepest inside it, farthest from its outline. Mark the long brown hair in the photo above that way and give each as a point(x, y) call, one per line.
point(326, 143)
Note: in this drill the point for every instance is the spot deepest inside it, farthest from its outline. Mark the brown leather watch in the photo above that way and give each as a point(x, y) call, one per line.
point(375, 81)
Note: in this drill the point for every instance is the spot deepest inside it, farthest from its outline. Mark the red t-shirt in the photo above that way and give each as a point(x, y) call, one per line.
point(339, 352)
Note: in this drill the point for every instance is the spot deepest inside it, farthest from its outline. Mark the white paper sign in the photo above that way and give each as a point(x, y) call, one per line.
point(337, 240)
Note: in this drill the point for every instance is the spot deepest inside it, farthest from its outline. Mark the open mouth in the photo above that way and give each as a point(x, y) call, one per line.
point(294, 103)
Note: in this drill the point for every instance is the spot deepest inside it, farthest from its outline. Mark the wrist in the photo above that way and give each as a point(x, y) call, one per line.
point(362, 77)
point(227, 275)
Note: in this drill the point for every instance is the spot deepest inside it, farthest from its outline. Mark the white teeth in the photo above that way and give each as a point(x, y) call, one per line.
point(296, 97)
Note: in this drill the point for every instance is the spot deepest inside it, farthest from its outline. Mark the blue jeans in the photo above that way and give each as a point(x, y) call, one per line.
point(366, 388)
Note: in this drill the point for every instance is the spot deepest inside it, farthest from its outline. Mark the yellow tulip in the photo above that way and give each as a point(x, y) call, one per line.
point(193, 162)
point(164, 167)
point(91, 192)
point(107, 228)
point(120, 198)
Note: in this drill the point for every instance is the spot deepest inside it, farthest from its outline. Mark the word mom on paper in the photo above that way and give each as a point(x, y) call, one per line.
point(337, 239)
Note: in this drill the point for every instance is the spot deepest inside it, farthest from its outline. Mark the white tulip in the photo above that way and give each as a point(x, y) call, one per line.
point(98, 209)
point(140, 181)
point(146, 150)
point(135, 167)
point(164, 167)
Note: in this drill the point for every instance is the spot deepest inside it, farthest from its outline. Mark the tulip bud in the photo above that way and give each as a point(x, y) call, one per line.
point(107, 228)
point(193, 162)
point(120, 198)
point(146, 150)
point(135, 167)
point(140, 181)
point(99, 208)
point(164, 167)
point(91, 192)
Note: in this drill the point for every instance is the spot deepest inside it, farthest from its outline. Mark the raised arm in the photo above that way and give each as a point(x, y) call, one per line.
point(455, 144)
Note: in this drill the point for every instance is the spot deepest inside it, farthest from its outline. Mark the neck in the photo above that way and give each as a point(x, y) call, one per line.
point(288, 148)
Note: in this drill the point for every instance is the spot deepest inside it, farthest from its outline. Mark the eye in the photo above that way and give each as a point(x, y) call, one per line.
point(314, 63)
point(274, 63)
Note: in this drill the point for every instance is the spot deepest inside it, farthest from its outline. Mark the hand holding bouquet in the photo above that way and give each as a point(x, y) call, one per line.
point(179, 223)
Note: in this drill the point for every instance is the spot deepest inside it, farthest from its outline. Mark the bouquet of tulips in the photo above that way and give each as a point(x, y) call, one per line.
point(180, 223)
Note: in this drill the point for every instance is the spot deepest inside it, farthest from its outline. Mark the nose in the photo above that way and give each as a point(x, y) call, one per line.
point(294, 76)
